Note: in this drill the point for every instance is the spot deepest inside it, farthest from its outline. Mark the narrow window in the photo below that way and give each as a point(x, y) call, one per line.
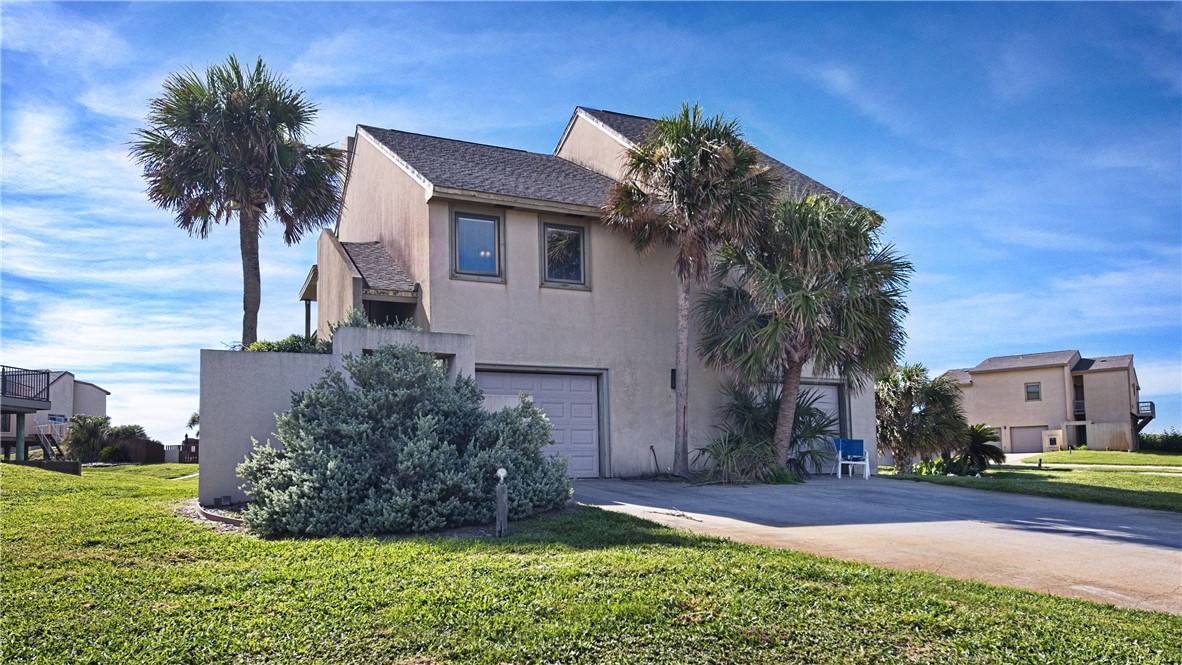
point(1033, 392)
point(565, 249)
point(477, 245)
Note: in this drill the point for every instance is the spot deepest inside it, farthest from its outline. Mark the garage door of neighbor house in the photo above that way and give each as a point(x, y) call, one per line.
point(1026, 439)
point(570, 401)
point(827, 395)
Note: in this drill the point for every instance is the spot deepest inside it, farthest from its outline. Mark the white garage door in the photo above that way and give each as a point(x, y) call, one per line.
point(570, 401)
point(1026, 439)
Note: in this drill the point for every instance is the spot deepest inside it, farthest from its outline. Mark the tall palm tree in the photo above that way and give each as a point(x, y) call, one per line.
point(918, 416)
point(692, 184)
point(814, 285)
point(229, 144)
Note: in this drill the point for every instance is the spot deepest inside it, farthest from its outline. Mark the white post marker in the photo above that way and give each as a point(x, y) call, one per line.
point(502, 504)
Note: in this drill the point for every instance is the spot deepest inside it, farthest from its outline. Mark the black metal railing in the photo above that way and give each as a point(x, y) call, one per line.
point(1146, 409)
point(31, 384)
point(1079, 406)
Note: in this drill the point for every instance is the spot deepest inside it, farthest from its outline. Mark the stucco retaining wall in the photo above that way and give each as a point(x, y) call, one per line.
point(242, 392)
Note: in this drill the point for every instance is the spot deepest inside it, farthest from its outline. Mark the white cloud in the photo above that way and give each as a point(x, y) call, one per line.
point(59, 36)
point(1159, 377)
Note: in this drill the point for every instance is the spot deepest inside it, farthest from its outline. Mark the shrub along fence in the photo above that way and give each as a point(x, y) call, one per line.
point(1169, 441)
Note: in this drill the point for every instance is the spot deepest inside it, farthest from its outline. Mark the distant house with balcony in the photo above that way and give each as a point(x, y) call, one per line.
point(1044, 401)
point(37, 406)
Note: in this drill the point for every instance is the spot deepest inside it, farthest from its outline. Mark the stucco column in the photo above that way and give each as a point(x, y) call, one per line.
point(21, 455)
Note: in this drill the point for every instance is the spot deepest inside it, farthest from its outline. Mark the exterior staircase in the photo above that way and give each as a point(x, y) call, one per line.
point(50, 437)
point(1146, 411)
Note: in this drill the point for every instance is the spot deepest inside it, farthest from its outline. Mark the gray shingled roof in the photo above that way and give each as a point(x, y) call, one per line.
point(377, 267)
point(495, 170)
point(960, 375)
point(634, 128)
point(1103, 362)
point(1025, 360)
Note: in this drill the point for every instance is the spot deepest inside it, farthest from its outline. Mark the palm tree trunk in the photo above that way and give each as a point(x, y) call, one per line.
point(681, 430)
point(248, 243)
point(789, 387)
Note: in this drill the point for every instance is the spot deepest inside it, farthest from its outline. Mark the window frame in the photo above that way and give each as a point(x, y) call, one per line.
point(584, 246)
point(498, 244)
point(1037, 385)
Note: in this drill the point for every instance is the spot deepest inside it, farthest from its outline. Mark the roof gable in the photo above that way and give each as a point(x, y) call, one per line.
point(635, 129)
point(1101, 363)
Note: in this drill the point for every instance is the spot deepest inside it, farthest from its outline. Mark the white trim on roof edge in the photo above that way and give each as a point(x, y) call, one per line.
point(581, 112)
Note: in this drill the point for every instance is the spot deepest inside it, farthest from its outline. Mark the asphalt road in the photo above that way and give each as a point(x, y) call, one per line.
point(1125, 556)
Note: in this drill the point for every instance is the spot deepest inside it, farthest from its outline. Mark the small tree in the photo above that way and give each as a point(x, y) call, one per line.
point(814, 285)
point(978, 451)
point(87, 437)
point(918, 417)
point(745, 448)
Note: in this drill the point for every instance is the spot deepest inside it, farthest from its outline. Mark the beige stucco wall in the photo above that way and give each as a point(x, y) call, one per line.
point(625, 324)
point(1107, 396)
point(383, 202)
point(338, 284)
point(241, 393)
point(1110, 435)
point(89, 399)
point(591, 147)
point(998, 399)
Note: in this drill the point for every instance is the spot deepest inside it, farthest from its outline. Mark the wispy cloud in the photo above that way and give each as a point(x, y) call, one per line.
point(60, 37)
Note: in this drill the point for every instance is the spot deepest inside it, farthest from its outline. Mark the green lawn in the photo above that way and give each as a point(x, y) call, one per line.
point(1118, 487)
point(100, 569)
point(1115, 457)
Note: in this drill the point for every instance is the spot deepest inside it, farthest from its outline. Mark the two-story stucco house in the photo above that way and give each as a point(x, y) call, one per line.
point(67, 397)
point(506, 245)
point(1041, 400)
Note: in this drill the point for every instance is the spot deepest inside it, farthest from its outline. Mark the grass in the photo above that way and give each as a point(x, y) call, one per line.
point(1117, 487)
point(1114, 457)
point(101, 569)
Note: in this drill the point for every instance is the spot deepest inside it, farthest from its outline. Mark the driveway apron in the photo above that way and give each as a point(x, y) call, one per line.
point(1125, 556)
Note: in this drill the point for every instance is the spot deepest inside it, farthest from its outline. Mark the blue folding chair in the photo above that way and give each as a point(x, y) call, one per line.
point(851, 452)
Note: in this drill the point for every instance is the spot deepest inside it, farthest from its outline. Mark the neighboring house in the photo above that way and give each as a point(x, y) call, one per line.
point(505, 247)
point(1041, 400)
point(67, 397)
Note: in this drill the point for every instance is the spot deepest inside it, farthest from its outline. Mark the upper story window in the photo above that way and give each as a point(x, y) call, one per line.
point(1033, 392)
point(564, 255)
point(477, 241)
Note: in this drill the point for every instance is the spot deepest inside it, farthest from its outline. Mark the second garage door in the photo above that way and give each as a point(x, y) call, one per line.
point(570, 401)
point(1026, 439)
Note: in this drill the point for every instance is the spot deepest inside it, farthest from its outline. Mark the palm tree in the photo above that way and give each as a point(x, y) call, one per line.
point(978, 451)
point(918, 416)
point(229, 144)
point(692, 184)
point(815, 285)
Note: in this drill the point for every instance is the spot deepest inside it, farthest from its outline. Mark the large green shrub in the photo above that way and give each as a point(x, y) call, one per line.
point(397, 449)
point(1169, 441)
point(292, 344)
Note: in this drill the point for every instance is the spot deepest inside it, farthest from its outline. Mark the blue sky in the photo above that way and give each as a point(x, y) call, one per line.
point(1027, 157)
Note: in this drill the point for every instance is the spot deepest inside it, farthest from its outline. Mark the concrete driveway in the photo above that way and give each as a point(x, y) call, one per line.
point(1125, 556)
